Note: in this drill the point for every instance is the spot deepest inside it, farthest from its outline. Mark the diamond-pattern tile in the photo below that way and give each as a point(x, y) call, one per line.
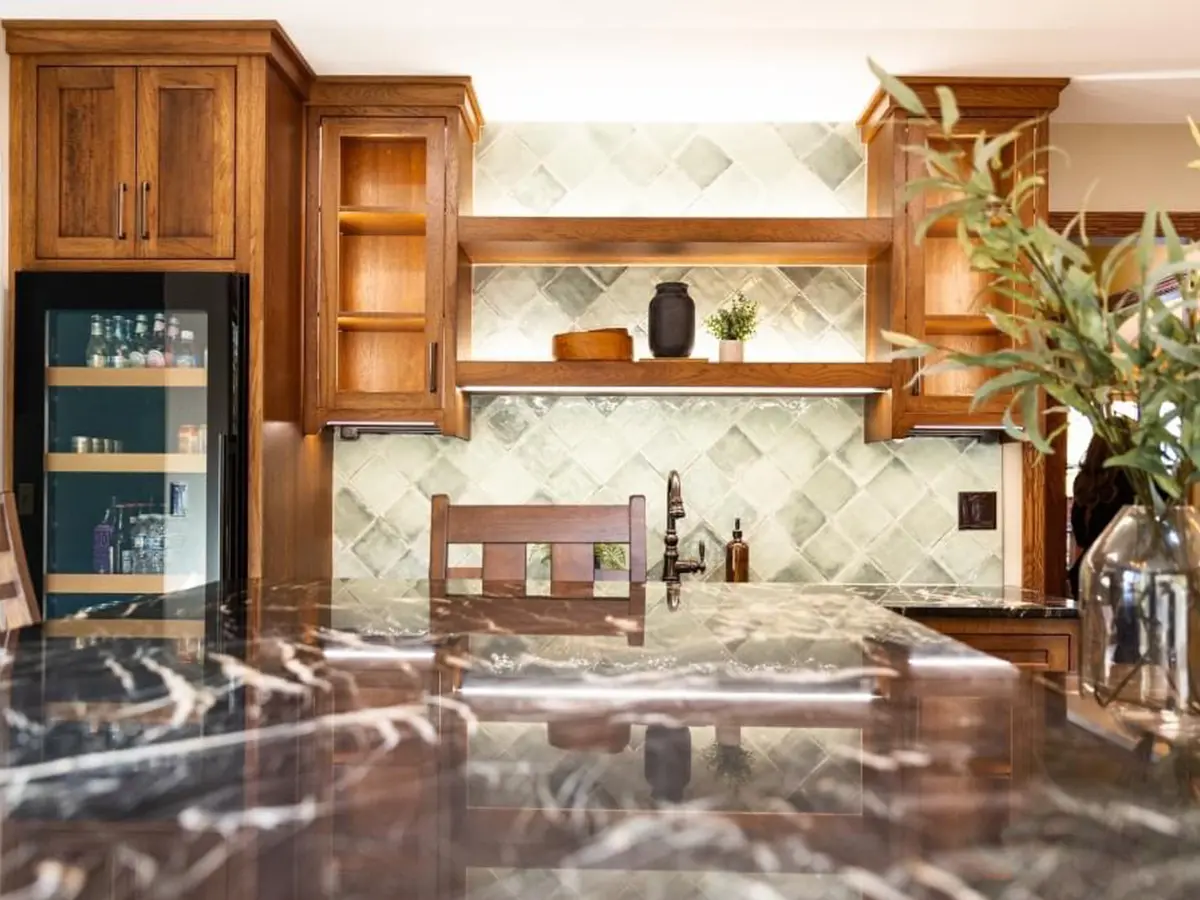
point(882, 512)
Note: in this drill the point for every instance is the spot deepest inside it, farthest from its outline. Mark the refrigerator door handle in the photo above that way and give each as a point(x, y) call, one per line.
point(223, 500)
point(120, 230)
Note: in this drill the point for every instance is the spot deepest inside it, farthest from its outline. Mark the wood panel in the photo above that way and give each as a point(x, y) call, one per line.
point(186, 154)
point(380, 362)
point(552, 240)
point(85, 162)
point(961, 382)
point(647, 376)
point(386, 172)
point(382, 274)
point(1043, 644)
point(1110, 224)
point(171, 463)
point(380, 220)
point(951, 287)
point(114, 584)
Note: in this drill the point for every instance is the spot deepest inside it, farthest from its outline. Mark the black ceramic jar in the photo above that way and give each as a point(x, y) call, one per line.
point(672, 320)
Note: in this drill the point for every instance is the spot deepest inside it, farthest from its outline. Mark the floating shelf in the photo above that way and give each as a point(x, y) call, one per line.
point(670, 377)
point(380, 220)
point(82, 376)
point(374, 321)
point(650, 241)
point(116, 584)
point(959, 325)
point(82, 627)
point(168, 463)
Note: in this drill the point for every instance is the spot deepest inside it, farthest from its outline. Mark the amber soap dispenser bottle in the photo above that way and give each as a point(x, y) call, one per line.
point(737, 556)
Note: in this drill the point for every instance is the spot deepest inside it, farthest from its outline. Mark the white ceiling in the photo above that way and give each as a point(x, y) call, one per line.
point(724, 60)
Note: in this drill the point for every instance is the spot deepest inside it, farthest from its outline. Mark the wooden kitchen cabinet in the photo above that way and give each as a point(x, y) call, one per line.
point(185, 161)
point(135, 162)
point(388, 311)
point(928, 290)
point(86, 161)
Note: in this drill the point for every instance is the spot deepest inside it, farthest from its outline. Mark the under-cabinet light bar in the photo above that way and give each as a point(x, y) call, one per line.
point(522, 689)
point(652, 391)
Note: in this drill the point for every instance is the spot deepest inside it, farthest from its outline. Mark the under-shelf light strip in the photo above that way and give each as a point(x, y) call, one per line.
point(640, 390)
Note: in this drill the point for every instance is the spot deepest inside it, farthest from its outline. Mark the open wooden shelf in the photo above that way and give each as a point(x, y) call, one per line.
point(168, 463)
point(87, 583)
point(625, 241)
point(82, 376)
point(658, 376)
point(959, 325)
point(380, 321)
point(380, 220)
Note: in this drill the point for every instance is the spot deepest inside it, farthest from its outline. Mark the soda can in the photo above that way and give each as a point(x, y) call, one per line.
point(118, 446)
point(110, 446)
point(97, 445)
point(187, 439)
point(178, 507)
point(80, 444)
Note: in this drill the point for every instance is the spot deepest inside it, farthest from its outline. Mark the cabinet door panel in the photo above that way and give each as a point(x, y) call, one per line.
point(186, 162)
point(85, 162)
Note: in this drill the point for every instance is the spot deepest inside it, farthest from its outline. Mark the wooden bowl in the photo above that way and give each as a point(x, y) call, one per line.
point(602, 343)
point(589, 734)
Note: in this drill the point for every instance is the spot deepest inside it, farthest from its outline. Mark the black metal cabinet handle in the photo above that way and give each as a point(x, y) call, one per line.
point(431, 360)
point(144, 210)
point(121, 189)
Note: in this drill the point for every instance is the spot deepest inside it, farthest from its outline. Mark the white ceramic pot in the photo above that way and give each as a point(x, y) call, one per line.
point(729, 735)
point(732, 351)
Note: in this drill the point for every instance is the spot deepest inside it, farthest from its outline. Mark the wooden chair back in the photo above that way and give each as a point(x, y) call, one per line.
point(505, 533)
point(18, 604)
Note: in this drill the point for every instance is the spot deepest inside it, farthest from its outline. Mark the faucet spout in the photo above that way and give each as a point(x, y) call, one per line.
point(673, 566)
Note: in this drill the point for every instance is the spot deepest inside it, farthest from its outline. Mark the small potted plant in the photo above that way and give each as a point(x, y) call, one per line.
point(732, 325)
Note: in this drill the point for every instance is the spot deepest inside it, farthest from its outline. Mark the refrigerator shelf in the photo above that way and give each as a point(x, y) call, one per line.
point(168, 463)
point(87, 583)
point(82, 376)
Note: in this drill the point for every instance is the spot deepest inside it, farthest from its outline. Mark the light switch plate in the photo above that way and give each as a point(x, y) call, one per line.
point(976, 510)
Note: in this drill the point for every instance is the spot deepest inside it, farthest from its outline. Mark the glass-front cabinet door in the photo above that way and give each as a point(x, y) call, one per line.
point(136, 417)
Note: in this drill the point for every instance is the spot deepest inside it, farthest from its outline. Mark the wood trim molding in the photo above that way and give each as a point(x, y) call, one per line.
point(1111, 224)
point(263, 37)
point(1020, 98)
point(454, 91)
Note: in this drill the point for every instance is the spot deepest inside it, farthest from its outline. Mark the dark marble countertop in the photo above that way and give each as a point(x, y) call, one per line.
point(367, 740)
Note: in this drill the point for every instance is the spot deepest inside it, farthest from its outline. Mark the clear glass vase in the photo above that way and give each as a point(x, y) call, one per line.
point(1139, 593)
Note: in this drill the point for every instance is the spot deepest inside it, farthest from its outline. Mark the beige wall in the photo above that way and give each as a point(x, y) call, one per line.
point(1132, 167)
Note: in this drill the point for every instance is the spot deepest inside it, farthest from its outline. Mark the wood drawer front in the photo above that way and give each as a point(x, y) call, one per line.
point(1036, 652)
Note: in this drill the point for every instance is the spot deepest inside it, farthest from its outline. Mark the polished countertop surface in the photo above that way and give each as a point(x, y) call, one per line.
point(375, 740)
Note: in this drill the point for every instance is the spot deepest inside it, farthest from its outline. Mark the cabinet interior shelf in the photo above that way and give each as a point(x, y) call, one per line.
point(88, 583)
point(82, 376)
point(531, 240)
point(658, 376)
point(961, 325)
point(375, 321)
point(169, 463)
point(178, 629)
point(380, 220)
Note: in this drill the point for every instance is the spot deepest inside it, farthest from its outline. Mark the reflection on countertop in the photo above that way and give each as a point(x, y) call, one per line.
point(376, 740)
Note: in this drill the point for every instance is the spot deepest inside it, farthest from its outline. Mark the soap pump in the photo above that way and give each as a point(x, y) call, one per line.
point(737, 556)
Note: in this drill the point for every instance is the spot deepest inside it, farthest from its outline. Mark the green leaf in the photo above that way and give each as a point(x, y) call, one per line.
point(949, 108)
point(1031, 413)
point(900, 340)
point(1003, 381)
point(899, 91)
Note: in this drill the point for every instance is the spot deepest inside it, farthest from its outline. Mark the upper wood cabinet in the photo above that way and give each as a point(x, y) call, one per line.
point(86, 161)
point(389, 303)
point(929, 290)
point(135, 162)
point(185, 160)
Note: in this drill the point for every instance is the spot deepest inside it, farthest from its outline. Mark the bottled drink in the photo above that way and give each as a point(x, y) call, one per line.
point(96, 352)
point(140, 558)
point(184, 355)
point(118, 348)
point(139, 344)
point(103, 551)
point(172, 340)
point(178, 505)
point(156, 356)
point(123, 556)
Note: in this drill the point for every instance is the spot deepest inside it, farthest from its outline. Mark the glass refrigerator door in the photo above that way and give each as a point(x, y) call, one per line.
point(128, 478)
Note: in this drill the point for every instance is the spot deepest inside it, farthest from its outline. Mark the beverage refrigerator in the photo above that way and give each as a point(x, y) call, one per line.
point(129, 439)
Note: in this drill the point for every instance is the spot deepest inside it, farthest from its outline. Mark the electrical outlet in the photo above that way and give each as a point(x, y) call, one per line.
point(976, 510)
